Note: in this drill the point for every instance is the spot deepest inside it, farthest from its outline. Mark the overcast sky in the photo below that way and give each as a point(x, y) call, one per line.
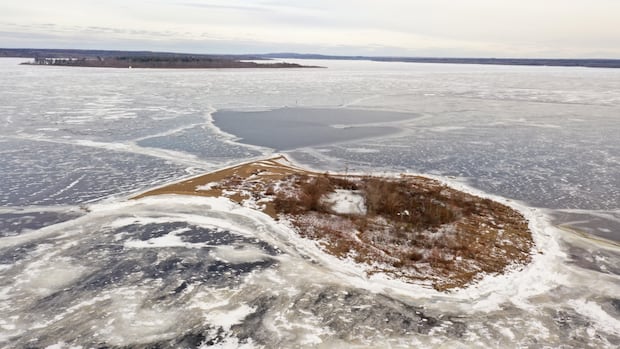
point(456, 28)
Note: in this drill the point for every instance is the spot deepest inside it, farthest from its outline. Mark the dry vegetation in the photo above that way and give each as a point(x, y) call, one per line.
point(414, 228)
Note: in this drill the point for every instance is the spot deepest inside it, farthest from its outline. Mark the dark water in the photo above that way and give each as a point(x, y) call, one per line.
point(291, 128)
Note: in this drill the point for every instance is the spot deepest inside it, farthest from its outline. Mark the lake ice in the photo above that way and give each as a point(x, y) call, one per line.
point(80, 265)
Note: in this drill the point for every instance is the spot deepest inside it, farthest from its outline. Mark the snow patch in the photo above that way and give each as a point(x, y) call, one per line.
point(346, 202)
point(226, 318)
point(207, 186)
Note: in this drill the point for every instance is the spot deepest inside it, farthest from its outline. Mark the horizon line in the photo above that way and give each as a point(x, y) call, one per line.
point(293, 53)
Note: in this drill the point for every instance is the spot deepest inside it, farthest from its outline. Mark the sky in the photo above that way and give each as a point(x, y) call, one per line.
point(439, 28)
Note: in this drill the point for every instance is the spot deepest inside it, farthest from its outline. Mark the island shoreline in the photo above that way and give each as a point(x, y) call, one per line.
point(452, 243)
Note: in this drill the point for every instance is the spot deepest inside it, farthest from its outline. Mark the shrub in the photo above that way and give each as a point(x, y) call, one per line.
point(342, 183)
point(312, 191)
point(307, 197)
point(286, 204)
point(270, 191)
point(402, 201)
point(414, 256)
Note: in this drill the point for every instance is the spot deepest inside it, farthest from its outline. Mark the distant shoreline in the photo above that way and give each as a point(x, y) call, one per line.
point(547, 62)
point(106, 54)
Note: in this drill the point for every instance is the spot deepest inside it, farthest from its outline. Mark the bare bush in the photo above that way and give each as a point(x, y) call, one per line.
point(401, 201)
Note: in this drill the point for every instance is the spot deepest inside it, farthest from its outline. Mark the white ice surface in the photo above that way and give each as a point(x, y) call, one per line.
point(46, 276)
point(595, 313)
point(62, 345)
point(227, 317)
point(231, 254)
point(172, 239)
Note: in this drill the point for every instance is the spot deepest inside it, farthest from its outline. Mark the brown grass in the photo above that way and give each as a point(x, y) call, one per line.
point(413, 224)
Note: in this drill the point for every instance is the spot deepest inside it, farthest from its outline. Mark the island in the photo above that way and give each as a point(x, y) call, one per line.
point(412, 228)
point(143, 59)
point(161, 62)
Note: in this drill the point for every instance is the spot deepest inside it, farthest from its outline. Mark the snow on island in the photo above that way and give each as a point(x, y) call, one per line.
point(408, 227)
point(343, 201)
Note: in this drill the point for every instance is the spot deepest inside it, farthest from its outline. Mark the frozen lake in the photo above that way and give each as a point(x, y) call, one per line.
point(82, 266)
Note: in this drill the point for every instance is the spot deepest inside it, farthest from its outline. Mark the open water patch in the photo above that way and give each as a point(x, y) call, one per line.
point(292, 128)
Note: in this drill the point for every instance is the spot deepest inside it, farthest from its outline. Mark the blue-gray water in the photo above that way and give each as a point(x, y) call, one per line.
point(292, 128)
point(80, 265)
